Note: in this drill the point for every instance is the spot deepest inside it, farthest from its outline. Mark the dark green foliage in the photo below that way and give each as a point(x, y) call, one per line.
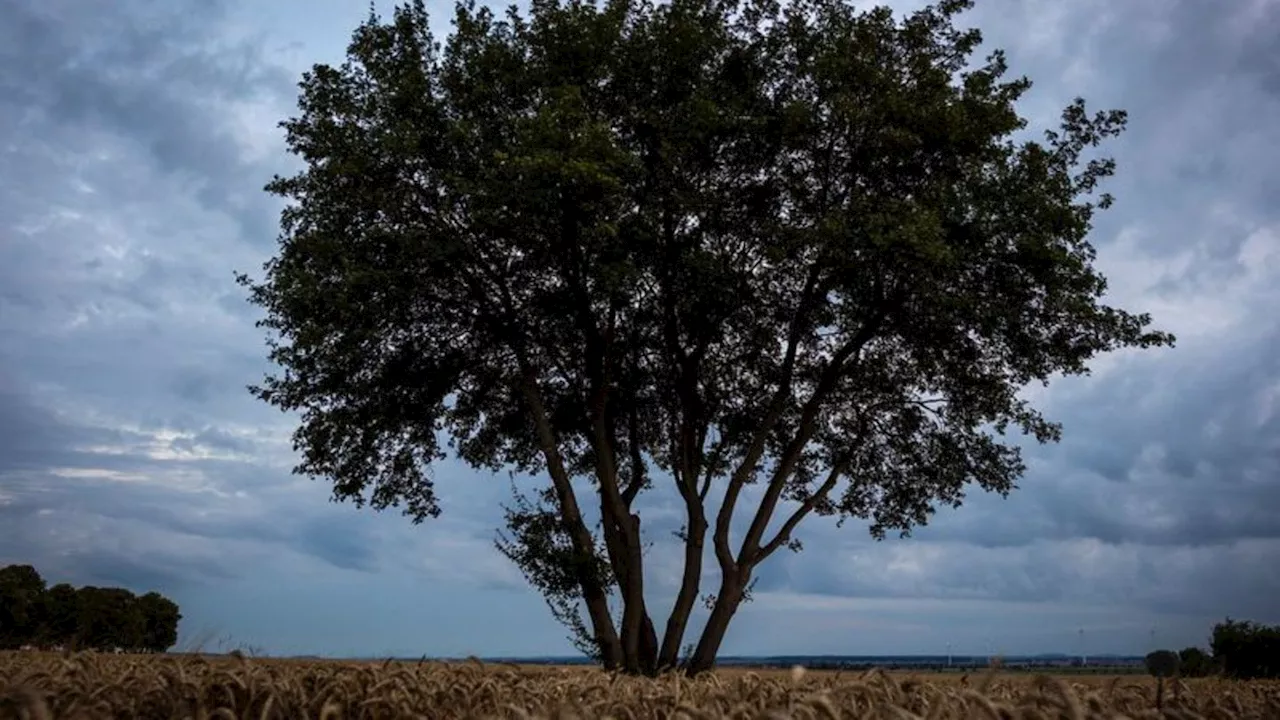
point(108, 617)
point(87, 618)
point(536, 544)
point(1163, 663)
point(62, 616)
point(728, 242)
point(21, 605)
point(1194, 662)
point(160, 622)
point(1245, 649)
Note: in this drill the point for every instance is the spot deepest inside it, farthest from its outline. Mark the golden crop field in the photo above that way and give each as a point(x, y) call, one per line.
point(86, 685)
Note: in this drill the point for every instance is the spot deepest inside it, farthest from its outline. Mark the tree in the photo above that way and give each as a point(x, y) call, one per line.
point(61, 615)
point(1194, 662)
point(90, 617)
point(1162, 664)
point(160, 617)
point(722, 242)
point(108, 618)
point(1246, 650)
point(21, 605)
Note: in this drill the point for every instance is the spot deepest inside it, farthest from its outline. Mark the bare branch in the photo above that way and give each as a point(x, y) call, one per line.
point(784, 533)
point(777, 404)
point(807, 426)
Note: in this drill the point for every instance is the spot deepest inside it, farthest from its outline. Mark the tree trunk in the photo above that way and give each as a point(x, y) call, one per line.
point(648, 647)
point(727, 602)
point(688, 595)
point(634, 613)
point(602, 624)
point(593, 593)
point(639, 641)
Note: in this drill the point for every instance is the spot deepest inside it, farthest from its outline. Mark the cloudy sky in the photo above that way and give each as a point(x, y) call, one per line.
point(137, 134)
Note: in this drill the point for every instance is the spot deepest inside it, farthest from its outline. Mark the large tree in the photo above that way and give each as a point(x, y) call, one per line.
point(161, 617)
point(710, 242)
point(109, 618)
point(22, 607)
point(62, 615)
point(90, 617)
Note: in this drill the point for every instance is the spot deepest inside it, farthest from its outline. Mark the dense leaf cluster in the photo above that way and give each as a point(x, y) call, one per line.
point(726, 242)
point(1240, 649)
point(1246, 649)
point(1163, 663)
point(87, 618)
point(1194, 662)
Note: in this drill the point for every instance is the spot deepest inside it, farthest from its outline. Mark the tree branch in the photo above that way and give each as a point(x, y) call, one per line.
point(784, 533)
point(720, 538)
point(717, 454)
point(584, 546)
point(807, 426)
point(636, 453)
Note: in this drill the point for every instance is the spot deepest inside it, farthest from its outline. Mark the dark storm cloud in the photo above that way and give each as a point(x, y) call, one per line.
point(1231, 40)
point(216, 439)
point(146, 72)
point(1197, 79)
point(339, 543)
point(41, 526)
point(62, 484)
point(1240, 580)
point(59, 521)
point(131, 194)
point(140, 572)
point(1151, 459)
point(29, 435)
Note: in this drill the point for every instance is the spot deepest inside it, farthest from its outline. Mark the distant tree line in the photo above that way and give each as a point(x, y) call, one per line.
point(1237, 649)
point(98, 618)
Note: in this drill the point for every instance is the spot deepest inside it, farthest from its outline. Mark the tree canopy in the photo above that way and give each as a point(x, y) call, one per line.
point(691, 246)
point(86, 618)
point(1245, 649)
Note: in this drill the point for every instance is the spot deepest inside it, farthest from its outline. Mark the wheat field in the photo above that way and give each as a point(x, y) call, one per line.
point(42, 686)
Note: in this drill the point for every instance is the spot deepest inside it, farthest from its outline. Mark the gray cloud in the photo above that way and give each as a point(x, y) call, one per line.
point(1188, 581)
point(150, 74)
point(339, 544)
point(29, 435)
point(149, 487)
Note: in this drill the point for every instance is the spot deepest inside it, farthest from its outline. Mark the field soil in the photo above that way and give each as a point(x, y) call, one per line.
point(87, 685)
